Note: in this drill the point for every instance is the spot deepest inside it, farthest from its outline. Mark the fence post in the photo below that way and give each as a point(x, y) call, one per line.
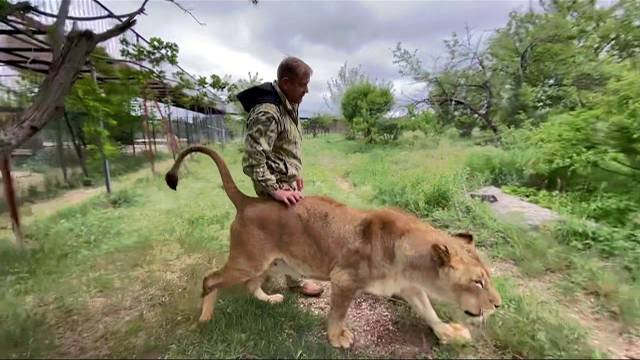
point(105, 161)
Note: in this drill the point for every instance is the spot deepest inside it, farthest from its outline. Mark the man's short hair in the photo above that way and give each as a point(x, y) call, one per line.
point(293, 68)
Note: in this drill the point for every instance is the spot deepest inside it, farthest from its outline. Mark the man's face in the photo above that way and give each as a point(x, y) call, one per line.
point(295, 88)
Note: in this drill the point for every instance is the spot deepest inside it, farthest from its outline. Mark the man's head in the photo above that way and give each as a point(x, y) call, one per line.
point(293, 78)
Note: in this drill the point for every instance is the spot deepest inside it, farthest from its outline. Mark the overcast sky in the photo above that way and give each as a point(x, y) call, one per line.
point(239, 38)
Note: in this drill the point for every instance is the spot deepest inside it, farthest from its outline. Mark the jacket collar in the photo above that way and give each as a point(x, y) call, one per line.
point(292, 109)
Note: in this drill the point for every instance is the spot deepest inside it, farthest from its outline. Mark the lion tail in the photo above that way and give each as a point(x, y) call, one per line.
point(238, 198)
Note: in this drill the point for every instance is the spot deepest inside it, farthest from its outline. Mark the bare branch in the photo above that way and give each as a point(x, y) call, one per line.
point(116, 30)
point(90, 18)
point(189, 11)
point(57, 36)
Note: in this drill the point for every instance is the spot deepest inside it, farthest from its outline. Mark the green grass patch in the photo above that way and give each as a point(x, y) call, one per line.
point(244, 327)
point(528, 327)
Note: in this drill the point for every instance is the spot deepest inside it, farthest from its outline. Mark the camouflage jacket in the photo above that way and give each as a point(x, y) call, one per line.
point(272, 156)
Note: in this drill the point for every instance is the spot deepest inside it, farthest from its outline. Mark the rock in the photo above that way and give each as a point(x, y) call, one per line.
point(513, 209)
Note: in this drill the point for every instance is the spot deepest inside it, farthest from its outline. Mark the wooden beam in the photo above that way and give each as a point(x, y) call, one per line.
point(10, 196)
point(25, 49)
point(15, 31)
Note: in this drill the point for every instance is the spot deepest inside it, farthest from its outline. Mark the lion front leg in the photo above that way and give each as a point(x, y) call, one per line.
point(343, 290)
point(446, 333)
point(339, 335)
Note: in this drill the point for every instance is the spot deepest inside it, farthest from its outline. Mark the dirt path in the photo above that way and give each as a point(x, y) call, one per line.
point(44, 208)
point(344, 184)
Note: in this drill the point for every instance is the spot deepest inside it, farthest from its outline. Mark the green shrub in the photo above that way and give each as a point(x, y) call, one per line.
point(125, 197)
point(499, 167)
point(420, 195)
point(620, 245)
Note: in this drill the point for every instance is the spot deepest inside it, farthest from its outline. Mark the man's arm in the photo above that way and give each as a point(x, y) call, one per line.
point(262, 131)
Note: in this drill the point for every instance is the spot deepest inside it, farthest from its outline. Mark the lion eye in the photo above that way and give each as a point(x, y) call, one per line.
point(479, 283)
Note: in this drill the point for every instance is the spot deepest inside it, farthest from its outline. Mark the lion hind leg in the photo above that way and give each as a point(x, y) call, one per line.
point(220, 279)
point(255, 287)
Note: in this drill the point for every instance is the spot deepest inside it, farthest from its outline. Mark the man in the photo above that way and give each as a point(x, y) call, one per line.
point(272, 146)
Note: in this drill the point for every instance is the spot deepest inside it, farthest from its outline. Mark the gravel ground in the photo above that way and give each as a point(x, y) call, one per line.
point(378, 330)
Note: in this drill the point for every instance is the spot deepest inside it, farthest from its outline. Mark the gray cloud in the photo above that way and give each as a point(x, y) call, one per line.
point(239, 37)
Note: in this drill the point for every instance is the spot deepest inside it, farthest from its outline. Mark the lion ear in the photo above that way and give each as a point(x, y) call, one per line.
point(441, 255)
point(466, 236)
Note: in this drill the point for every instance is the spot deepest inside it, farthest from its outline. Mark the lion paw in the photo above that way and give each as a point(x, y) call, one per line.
point(447, 333)
point(341, 337)
point(205, 316)
point(275, 299)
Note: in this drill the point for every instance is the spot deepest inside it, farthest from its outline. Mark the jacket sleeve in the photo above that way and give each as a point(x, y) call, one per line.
point(262, 131)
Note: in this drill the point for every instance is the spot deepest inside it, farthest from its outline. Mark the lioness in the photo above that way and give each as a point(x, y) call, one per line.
point(384, 252)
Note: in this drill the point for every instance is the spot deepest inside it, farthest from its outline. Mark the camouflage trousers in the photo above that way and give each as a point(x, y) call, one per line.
point(264, 193)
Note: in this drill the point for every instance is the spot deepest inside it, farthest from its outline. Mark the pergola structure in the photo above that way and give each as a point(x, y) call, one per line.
point(24, 47)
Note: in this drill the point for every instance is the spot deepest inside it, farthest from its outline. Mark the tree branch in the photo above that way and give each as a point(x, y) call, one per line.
point(90, 18)
point(117, 29)
point(189, 11)
point(57, 35)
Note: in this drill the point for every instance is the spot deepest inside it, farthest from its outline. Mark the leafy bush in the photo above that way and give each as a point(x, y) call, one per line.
point(423, 196)
point(363, 106)
point(125, 197)
point(619, 244)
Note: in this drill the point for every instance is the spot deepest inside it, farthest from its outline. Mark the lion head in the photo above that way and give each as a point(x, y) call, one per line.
point(450, 268)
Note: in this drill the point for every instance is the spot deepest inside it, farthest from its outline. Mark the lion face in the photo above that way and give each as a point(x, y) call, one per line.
point(464, 277)
point(461, 276)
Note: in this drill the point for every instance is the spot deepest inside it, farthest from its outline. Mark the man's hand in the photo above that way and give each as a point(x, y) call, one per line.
point(299, 184)
point(287, 196)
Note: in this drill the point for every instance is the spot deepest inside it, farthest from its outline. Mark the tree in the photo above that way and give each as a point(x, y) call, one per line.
point(318, 124)
point(462, 88)
point(364, 105)
point(69, 54)
point(347, 77)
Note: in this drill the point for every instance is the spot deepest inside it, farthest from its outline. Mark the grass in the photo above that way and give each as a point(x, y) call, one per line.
point(530, 327)
point(122, 275)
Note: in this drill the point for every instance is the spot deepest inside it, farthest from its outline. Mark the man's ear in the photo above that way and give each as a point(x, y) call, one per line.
point(465, 236)
point(441, 255)
point(286, 81)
